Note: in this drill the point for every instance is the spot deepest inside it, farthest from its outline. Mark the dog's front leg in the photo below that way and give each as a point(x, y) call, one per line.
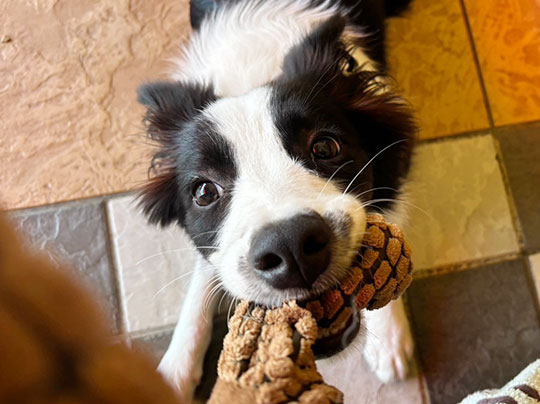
point(389, 344)
point(182, 364)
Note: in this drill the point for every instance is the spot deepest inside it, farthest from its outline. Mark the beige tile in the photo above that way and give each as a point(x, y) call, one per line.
point(71, 126)
point(152, 266)
point(360, 385)
point(431, 58)
point(535, 266)
point(507, 38)
point(460, 208)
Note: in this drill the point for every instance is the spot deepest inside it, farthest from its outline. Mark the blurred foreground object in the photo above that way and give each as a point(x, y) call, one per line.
point(55, 346)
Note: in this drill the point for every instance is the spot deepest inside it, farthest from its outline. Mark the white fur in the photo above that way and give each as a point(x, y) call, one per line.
point(242, 46)
point(389, 344)
point(238, 50)
point(182, 364)
point(271, 186)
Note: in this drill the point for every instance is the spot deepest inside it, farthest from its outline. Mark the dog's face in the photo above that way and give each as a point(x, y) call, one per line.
point(273, 185)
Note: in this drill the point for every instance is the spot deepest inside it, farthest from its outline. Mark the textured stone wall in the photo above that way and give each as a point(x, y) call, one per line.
point(70, 126)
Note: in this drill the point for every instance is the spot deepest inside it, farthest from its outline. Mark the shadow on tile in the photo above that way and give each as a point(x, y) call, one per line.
point(520, 147)
point(474, 329)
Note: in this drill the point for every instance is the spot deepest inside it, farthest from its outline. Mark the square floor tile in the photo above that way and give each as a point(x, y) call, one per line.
point(154, 266)
point(431, 58)
point(361, 386)
point(458, 206)
point(474, 329)
point(75, 235)
point(521, 154)
point(535, 267)
point(507, 38)
point(71, 125)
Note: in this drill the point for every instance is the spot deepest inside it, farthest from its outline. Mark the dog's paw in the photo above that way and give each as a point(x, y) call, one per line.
point(183, 373)
point(183, 379)
point(389, 344)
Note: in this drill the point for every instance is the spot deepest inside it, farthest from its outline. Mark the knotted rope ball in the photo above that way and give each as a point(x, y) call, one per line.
point(269, 354)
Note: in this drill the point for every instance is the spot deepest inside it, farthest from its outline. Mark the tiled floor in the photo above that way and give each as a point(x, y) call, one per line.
point(471, 70)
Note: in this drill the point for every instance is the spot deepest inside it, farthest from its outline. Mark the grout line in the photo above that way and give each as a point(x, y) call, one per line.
point(477, 64)
point(479, 132)
point(122, 311)
point(457, 136)
point(516, 223)
point(519, 125)
point(151, 331)
point(466, 265)
point(535, 294)
point(71, 203)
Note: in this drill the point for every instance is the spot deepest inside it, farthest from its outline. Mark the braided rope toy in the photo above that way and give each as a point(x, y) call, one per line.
point(268, 355)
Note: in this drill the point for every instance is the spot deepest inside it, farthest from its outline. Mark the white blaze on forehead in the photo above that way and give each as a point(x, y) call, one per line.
point(269, 179)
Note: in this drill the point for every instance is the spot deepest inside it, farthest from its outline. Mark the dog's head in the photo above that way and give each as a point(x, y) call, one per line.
point(272, 186)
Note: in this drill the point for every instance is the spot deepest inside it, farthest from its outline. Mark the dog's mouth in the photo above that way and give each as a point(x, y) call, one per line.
point(337, 333)
point(338, 318)
point(380, 273)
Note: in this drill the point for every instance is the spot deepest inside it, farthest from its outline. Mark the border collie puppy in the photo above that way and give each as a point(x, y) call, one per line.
point(279, 130)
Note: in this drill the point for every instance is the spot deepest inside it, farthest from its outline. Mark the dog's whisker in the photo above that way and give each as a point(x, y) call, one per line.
point(172, 251)
point(307, 98)
point(204, 233)
point(213, 285)
point(397, 201)
point(176, 279)
point(370, 161)
point(332, 177)
point(221, 300)
point(374, 189)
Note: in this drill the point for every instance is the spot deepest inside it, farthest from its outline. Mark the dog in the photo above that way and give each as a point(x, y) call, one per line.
point(279, 130)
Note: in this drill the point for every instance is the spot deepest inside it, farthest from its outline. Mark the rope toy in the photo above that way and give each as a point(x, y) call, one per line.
point(268, 356)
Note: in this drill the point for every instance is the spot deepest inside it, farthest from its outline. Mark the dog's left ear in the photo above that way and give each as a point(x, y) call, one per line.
point(320, 53)
point(170, 107)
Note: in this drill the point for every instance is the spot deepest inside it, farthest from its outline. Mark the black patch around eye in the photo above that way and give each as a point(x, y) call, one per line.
point(374, 125)
point(205, 154)
point(189, 147)
point(171, 107)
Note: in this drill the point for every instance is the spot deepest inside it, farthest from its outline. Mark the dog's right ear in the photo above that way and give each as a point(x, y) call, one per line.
point(170, 106)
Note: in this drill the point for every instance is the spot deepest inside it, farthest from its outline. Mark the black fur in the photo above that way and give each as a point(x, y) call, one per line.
point(170, 107)
point(190, 146)
point(319, 94)
point(368, 15)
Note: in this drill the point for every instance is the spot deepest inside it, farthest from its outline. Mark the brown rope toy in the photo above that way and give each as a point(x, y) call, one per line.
point(268, 355)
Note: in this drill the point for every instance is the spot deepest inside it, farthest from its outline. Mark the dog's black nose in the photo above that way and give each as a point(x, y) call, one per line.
point(292, 253)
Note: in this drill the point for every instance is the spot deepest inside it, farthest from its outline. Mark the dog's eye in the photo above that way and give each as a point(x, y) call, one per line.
point(325, 147)
point(206, 193)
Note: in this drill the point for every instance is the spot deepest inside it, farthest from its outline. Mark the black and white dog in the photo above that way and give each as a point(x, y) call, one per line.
point(279, 131)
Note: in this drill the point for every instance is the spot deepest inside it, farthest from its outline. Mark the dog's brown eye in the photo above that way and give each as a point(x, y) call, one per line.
point(205, 193)
point(325, 147)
